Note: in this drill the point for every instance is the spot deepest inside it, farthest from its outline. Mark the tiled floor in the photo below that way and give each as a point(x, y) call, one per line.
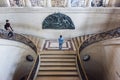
point(53, 45)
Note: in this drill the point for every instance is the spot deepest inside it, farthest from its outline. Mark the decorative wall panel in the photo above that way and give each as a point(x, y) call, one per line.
point(39, 3)
point(58, 21)
point(16, 3)
point(58, 3)
point(97, 3)
point(77, 3)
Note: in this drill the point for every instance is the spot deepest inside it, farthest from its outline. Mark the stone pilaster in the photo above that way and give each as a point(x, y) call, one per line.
point(4, 3)
point(69, 3)
point(28, 3)
point(49, 3)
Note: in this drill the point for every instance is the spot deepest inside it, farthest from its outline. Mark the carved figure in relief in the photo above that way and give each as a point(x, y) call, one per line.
point(16, 3)
point(74, 3)
point(97, 3)
point(39, 3)
point(58, 21)
point(58, 3)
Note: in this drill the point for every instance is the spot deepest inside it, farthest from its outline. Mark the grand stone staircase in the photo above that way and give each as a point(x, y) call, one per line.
point(60, 65)
point(57, 65)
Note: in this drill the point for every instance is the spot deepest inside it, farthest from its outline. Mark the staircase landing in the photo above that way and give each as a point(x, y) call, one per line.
point(53, 45)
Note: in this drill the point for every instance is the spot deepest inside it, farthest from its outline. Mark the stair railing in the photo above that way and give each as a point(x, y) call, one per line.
point(114, 33)
point(28, 42)
point(33, 73)
point(80, 68)
point(18, 38)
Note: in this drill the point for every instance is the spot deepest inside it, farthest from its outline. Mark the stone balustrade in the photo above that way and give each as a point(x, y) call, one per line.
point(17, 37)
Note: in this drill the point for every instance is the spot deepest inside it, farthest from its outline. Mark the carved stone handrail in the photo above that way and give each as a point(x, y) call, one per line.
point(33, 72)
point(81, 71)
point(26, 41)
point(19, 38)
point(93, 39)
point(114, 33)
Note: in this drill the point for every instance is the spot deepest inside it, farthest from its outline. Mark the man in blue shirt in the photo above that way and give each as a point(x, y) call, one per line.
point(61, 40)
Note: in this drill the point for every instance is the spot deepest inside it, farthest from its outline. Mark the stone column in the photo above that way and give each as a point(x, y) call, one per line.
point(4, 3)
point(65, 3)
point(28, 3)
point(69, 3)
point(114, 3)
point(87, 3)
point(117, 3)
point(110, 3)
point(49, 3)
point(8, 2)
point(45, 3)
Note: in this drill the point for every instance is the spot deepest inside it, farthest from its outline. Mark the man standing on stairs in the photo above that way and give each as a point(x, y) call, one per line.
point(61, 40)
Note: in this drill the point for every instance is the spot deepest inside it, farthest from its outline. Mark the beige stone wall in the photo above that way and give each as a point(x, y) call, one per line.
point(86, 20)
point(95, 66)
point(114, 3)
point(117, 3)
point(4, 3)
point(104, 62)
point(112, 53)
point(13, 60)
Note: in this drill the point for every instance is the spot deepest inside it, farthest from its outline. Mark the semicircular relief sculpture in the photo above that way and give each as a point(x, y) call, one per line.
point(58, 21)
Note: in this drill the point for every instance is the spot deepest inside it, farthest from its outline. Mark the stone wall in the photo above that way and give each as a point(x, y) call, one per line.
point(104, 60)
point(14, 65)
point(86, 20)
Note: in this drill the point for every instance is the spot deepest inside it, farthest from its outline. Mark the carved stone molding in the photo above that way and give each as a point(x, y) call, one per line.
point(100, 37)
point(19, 38)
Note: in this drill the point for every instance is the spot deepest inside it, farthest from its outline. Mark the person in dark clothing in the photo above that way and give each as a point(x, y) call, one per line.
point(8, 28)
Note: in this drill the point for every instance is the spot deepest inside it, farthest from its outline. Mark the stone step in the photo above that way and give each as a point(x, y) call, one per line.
point(57, 73)
point(57, 64)
point(58, 56)
point(57, 78)
point(57, 68)
point(58, 52)
point(57, 60)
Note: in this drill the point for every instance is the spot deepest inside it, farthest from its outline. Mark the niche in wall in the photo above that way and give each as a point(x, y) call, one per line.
point(29, 58)
point(86, 57)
